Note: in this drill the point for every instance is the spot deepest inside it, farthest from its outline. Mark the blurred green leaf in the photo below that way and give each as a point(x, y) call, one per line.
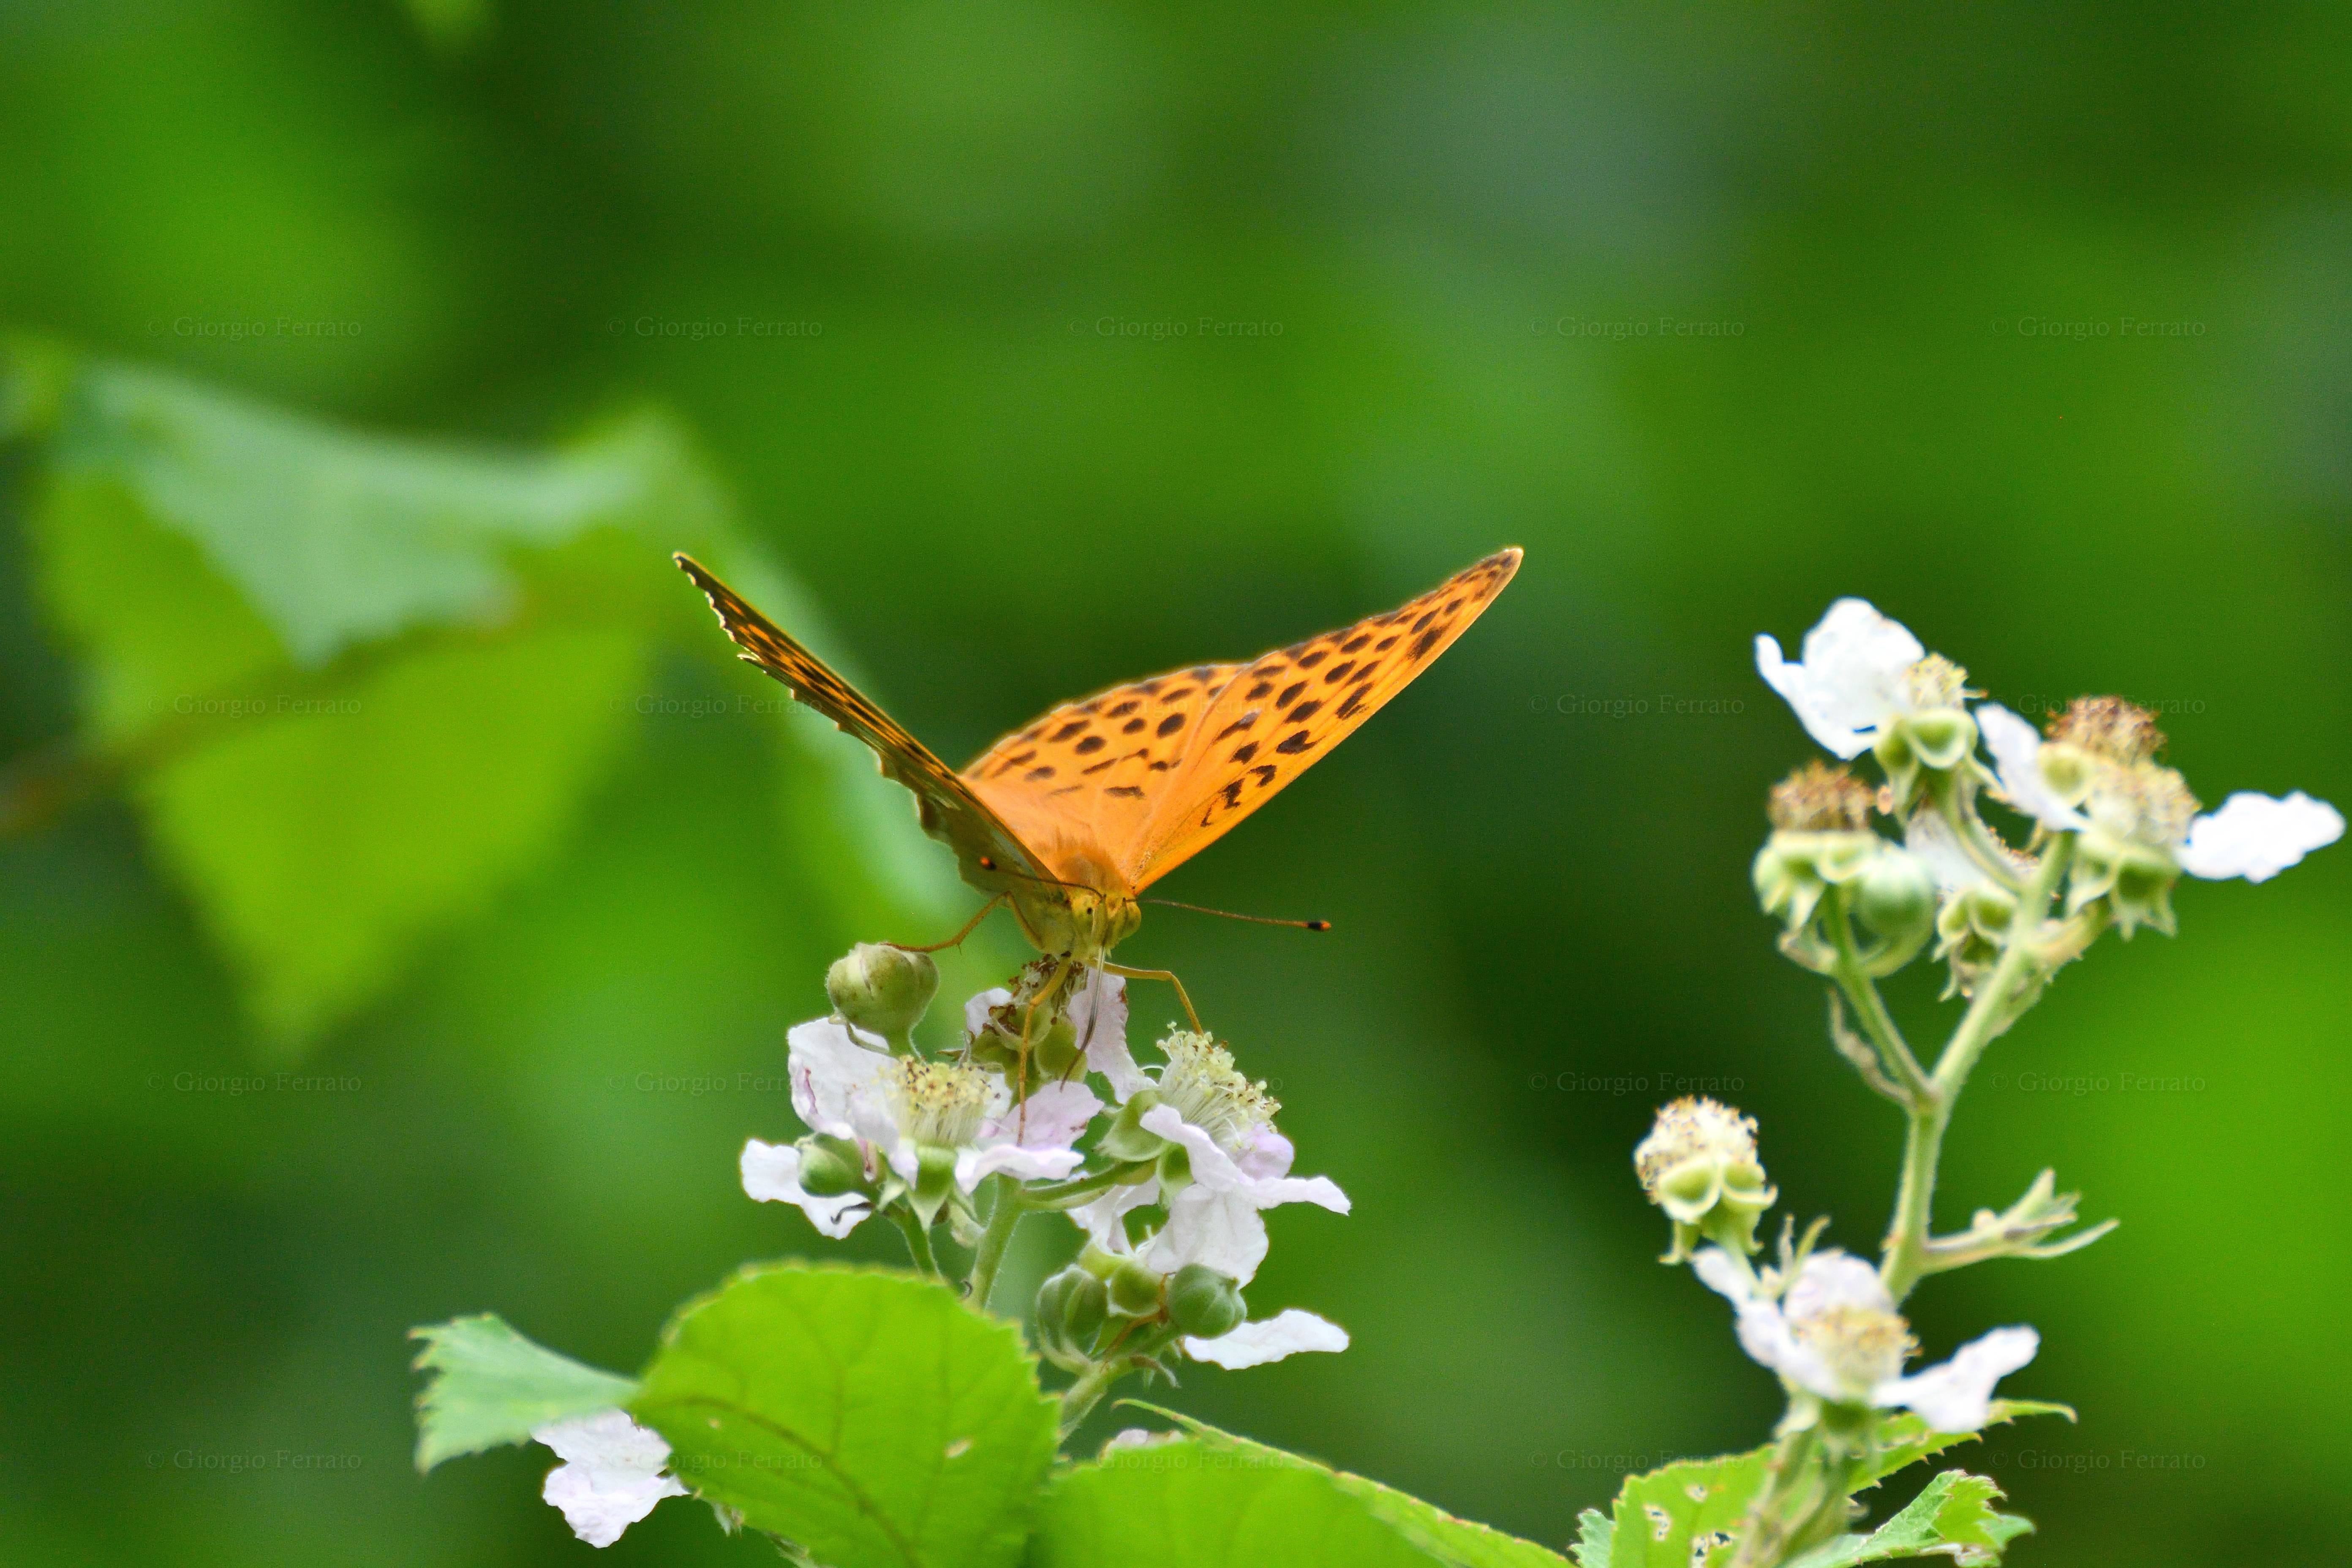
point(323, 845)
point(869, 1417)
point(1952, 1517)
point(360, 685)
point(337, 538)
point(1196, 1504)
point(486, 1386)
point(1454, 1540)
point(1659, 1514)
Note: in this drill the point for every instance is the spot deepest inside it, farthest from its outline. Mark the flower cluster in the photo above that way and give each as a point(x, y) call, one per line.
point(1166, 1173)
point(2110, 832)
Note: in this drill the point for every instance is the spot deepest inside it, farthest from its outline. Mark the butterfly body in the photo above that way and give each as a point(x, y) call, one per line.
point(1071, 817)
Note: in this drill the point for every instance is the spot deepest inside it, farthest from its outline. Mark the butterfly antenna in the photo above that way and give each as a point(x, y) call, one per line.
point(1228, 914)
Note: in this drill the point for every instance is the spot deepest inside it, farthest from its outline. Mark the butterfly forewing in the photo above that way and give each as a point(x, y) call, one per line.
point(1288, 709)
point(951, 813)
point(1143, 777)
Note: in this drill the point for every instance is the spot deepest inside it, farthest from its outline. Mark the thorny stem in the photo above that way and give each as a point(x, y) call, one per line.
point(1982, 846)
point(1002, 1221)
point(919, 1239)
point(1923, 1146)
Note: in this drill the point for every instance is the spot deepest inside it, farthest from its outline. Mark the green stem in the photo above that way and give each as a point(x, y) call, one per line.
point(1986, 850)
point(1762, 1531)
point(1862, 991)
point(1062, 1194)
point(1084, 1395)
point(1002, 1221)
point(919, 1239)
point(1923, 1145)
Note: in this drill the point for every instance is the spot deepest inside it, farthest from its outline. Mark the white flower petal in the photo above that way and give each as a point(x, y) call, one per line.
point(979, 1005)
point(1222, 1230)
point(1255, 1344)
point(1022, 1163)
point(1099, 1013)
point(1055, 1117)
point(611, 1476)
point(838, 1086)
point(2256, 836)
point(1855, 675)
point(1721, 1273)
point(772, 1174)
point(1931, 839)
point(1957, 1396)
point(1139, 1437)
point(2016, 747)
point(1832, 1279)
point(1266, 1154)
point(1102, 1220)
point(1211, 1167)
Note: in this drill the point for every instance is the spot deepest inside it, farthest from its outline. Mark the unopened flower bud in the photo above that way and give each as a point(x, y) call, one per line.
point(1135, 1291)
point(1204, 1303)
point(1699, 1164)
point(1072, 1306)
point(882, 989)
point(829, 1167)
point(1895, 897)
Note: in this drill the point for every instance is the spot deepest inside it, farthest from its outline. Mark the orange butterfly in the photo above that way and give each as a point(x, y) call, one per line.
point(1069, 818)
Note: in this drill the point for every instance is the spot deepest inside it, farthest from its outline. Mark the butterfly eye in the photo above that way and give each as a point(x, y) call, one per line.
point(987, 863)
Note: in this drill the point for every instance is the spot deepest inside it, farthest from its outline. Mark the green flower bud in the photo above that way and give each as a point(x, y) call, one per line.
point(882, 989)
point(830, 1167)
point(1203, 1302)
point(1135, 1291)
point(1128, 1141)
point(1895, 897)
point(1699, 1164)
point(1072, 1306)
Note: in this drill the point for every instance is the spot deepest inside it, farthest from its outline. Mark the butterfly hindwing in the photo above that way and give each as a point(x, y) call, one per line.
point(1084, 779)
point(951, 813)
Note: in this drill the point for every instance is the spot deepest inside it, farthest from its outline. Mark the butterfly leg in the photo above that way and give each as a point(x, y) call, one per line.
point(970, 926)
point(1045, 993)
point(1170, 976)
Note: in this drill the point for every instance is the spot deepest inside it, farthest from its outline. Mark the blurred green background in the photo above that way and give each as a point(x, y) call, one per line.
point(1719, 313)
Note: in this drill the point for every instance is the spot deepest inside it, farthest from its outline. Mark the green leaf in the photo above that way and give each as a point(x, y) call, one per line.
point(1440, 1535)
point(1196, 1503)
point(870, 1418)
point(1595, 1539)
point(486, 1386)
point(1951, 1517)
point(1659, 1515)
point(1905, 1439)
point(322, 846)
point(338, 538)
